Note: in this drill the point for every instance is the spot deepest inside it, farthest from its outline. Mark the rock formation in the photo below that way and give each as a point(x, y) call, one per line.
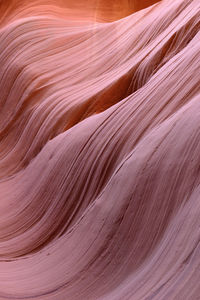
point(100, 150)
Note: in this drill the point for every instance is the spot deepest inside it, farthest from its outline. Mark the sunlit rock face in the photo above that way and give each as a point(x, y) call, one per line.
point(98, 10)
point(99, 150)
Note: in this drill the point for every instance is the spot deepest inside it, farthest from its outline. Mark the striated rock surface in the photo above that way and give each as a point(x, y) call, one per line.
point(100, 150)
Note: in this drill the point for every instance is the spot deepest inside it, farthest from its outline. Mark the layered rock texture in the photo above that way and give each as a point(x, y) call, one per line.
point(100, 150)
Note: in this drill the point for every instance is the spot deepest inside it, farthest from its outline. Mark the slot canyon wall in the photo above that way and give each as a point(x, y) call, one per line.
point(100, 150)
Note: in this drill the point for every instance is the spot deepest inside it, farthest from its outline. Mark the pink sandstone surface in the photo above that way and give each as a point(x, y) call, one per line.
point(100, 150)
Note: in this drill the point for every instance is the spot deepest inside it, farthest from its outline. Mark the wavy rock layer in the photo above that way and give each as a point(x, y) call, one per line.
point(99, 150)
